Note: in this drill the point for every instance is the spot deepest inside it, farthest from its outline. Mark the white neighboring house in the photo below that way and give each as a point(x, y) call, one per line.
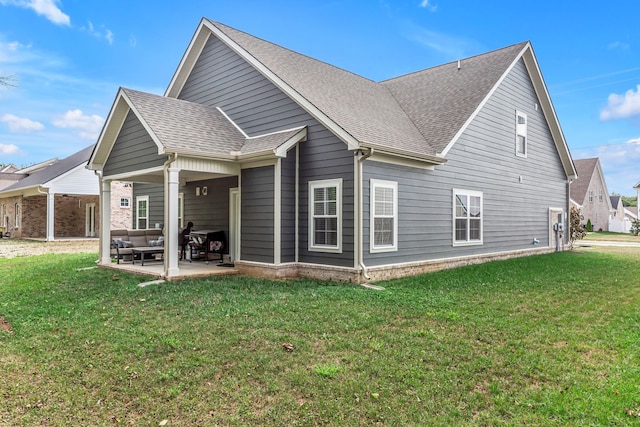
point(58, 200)
point(620, 218)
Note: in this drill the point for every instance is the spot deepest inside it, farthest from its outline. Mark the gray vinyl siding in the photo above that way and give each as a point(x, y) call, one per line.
point(257, 207)
point(156, 203)
point(484, 160)
point(288, 208)
point(133, 149)
point(222, 79)
point(327, 158)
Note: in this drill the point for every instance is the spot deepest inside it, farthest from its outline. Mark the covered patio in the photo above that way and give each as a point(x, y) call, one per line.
point(187, 269)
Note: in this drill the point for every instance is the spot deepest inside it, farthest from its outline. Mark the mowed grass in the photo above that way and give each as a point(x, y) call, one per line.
point(541, 340)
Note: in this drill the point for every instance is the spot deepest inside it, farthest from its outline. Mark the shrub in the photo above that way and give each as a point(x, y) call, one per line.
point(576, 229)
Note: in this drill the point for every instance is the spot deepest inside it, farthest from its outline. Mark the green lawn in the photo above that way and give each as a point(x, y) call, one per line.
point(541, 340)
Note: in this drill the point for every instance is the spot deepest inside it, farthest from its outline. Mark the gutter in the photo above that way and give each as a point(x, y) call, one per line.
point(361, 159)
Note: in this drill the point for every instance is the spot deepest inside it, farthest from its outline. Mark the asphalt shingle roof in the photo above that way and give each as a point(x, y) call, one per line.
point(186, 126)
point(439, 100)
point(362, 107)
point(191, 127)
point(419, 112)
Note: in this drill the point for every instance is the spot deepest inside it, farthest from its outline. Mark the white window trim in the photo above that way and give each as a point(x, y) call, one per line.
point(138, 200)
point(128, 199)
point(521, 130)
point(323, 184)
point(374, 183)
point(467, 193)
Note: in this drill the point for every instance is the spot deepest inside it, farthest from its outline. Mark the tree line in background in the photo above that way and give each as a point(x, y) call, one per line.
point(627, 200)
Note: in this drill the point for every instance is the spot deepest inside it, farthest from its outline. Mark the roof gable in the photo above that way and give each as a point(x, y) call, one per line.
point(440, 100)
point(359, 111)
point(188, 128)
point(421, 114)
point(587, 170)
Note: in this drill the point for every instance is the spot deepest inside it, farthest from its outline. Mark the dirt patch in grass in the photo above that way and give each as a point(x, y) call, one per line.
point(5, 326)
point(11, 248)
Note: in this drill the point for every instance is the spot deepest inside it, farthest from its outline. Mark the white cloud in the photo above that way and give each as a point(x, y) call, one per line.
point(8, 149)
point(426, 4)
point(103, 32)
point(622, 106)
point(618, 45)
point(87, 127)
point(21, 124)
point(47, 8)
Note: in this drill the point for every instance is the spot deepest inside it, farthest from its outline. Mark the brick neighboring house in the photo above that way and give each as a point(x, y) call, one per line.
point(56, 199)
point(589, 193)
point(121, 205)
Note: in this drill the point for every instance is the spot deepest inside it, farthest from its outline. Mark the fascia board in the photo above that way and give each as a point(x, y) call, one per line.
point(299, 136)
point(433, 160)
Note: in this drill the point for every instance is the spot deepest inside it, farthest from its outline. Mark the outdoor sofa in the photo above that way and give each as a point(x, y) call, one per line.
point(136, 243)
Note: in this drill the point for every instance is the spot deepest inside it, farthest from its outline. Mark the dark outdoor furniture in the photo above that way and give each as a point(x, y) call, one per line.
point(204, 243)
point(146, 251)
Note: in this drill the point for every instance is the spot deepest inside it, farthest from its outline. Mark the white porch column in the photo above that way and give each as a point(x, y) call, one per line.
point(172, 186)
point(51, 216)
point(105, 222)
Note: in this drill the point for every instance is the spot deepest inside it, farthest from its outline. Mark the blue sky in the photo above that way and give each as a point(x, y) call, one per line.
point(69, 57)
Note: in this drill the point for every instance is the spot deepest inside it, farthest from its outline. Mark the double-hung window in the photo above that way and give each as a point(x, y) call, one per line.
point(467, 217)
point(325, 215)
point(383, 216)
point(521, 134)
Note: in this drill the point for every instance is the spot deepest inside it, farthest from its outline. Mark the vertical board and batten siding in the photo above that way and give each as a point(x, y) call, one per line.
point(483, 159)
point(133, 150)
point(155, 209)
point(221, 78)
point(288, 208)
point(257, 207)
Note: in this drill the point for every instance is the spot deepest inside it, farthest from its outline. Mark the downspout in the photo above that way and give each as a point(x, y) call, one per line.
point(361, 159)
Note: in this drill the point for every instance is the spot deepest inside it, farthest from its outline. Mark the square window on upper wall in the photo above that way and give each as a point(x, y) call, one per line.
point(521, 141)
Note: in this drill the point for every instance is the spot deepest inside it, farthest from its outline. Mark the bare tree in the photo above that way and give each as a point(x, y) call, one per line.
point(7, 80)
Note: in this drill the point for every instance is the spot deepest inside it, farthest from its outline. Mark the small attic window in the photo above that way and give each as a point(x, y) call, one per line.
point(521, 134)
